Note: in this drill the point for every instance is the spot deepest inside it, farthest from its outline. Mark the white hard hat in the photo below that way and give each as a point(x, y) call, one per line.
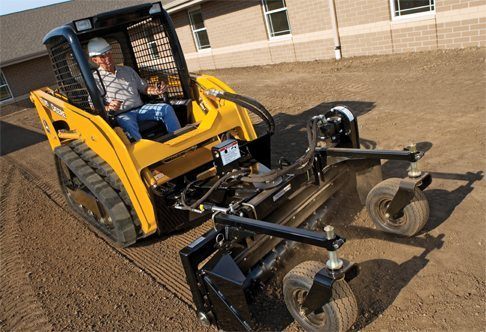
point(98, 46)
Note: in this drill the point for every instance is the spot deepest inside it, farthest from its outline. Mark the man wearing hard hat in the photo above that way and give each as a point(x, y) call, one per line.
point(123, 87)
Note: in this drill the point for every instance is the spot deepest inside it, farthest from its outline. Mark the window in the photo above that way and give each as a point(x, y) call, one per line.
point(276, 17)
point(154, 51)
point(4, 89)
point(407, 7)
point(199, 30)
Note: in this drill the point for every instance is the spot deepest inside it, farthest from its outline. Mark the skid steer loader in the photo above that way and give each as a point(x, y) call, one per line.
point(216, 169)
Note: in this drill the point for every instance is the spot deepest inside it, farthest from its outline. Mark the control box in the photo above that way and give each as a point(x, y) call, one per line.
point(226, 155)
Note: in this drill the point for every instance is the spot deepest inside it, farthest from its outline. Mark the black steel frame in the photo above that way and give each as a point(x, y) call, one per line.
point(371, 154)
point(219, 288)
point(105, 23)
point(215, 287)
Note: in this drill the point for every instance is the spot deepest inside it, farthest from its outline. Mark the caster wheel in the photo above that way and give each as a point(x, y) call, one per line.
point(339, 314)
point(415, 214)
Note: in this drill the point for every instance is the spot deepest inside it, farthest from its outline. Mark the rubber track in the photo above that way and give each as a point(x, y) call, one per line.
point(124, 228)
point(160, 260)
point(104, 170)
point(20, 309)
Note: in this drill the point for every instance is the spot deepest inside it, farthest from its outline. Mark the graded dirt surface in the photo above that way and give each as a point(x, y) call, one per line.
point(57, 275)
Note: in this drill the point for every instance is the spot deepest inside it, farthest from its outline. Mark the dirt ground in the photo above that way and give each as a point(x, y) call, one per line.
point(57, 275)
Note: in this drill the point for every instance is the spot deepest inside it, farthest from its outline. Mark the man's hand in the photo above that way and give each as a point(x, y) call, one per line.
point(157, 90)
point(114, 105)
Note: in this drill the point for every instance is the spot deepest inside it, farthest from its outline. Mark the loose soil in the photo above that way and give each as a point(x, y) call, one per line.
point(57, 275)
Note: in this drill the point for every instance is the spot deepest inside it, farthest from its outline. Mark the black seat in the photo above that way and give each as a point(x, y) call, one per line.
point(178, 132)
point(152, 129)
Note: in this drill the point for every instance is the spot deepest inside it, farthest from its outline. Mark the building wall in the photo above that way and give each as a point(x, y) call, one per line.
point(29, 75)
point(456, 24)
point(311, 29)
point(351, 12)
point(238, 36)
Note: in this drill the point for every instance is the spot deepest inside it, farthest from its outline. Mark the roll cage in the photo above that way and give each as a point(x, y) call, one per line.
point(142, 37)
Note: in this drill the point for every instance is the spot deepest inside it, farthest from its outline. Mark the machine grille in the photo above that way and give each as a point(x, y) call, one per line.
point(68, 75)
point(153, 55)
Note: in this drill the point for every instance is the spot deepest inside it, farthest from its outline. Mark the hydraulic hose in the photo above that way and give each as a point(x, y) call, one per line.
point(301, 165)
point(215, 186)
point(246, 102)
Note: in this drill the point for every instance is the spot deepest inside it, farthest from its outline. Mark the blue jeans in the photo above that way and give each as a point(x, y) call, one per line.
point(149, 112)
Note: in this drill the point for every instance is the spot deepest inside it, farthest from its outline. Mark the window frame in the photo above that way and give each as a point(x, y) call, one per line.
point(267, 21)
point(8, 88)
point(412, 17)
point(194, 31)
point(150, 43)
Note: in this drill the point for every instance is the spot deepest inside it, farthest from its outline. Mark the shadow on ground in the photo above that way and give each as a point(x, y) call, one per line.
point(375, 296)
point(442, 202)
point(290, 139)
point(13, 138)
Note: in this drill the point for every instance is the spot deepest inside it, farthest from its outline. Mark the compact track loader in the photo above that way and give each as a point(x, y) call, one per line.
point(216, 169)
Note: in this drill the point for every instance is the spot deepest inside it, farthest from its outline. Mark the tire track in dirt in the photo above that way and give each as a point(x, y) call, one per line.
point(21, 310)
point(160, 260)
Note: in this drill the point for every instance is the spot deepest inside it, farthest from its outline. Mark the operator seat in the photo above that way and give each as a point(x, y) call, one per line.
point(152, 130)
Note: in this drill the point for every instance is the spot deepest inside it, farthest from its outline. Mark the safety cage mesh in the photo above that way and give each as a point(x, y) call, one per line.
point(154, 56)
point(68, 75)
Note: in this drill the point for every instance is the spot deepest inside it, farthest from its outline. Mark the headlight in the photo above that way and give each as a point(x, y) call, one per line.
point(83, 25)
point(156, 8)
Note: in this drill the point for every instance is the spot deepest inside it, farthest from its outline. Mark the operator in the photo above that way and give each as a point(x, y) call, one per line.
point(123, 87)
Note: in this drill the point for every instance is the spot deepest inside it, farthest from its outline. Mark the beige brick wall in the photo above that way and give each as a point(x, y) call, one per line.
point(446, 5)
point(352, 12)
point(308, 16)
point(413, 39)
point(243, 58)
point(464, 33)
point(366, 44)
point(238, 35)
point(193, 64)
point(314, 50)
point(233, 22)
point(184, 32)
point(282, 53)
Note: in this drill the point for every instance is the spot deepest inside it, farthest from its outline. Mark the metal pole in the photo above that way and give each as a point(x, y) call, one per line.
point(333, 263)
point(414, 171)
point(335, 30)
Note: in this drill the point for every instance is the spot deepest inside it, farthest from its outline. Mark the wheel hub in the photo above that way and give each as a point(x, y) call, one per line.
point(386, 217)
point(316, 319)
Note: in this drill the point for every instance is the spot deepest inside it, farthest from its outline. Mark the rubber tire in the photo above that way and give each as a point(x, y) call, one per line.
point(416, 213)
point(340, 313)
